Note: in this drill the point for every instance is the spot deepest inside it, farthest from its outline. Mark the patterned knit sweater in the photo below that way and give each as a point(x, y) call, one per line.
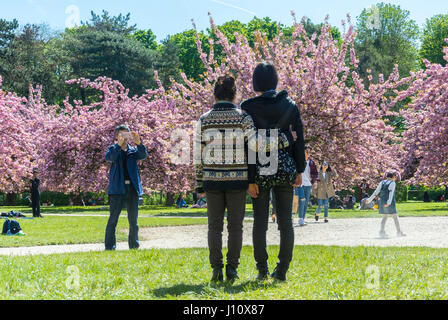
point(222, 141)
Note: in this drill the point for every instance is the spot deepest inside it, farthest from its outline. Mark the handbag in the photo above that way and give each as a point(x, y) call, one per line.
point(295, 204)
point(286, 173)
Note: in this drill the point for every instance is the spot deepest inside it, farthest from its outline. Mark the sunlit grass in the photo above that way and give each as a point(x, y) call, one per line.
point(53, 230)
point(316, 273)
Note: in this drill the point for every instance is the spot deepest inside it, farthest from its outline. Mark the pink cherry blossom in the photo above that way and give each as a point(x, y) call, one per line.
point(344, 118)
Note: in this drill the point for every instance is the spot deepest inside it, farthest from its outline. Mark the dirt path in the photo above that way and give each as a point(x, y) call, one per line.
point(427, 232)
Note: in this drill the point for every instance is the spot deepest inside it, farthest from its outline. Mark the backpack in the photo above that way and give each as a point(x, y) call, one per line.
point(11, 227)
point(6, 226)
point(286, 173)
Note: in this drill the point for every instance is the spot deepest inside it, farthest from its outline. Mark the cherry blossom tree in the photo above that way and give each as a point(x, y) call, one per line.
point(79, 135)
point(426, 138)
point(18, 147)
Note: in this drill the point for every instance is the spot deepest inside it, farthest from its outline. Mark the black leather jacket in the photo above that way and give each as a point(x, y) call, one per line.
point(268, 110)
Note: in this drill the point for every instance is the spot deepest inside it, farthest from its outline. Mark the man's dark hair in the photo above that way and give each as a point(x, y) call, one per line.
point(121, 127)
point(225, 88)
point(308, 148)
point(265, 77)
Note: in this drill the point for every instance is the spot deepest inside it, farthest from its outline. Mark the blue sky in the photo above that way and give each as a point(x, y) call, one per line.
point(172, 16)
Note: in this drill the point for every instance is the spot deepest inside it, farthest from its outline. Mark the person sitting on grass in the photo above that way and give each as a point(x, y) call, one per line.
point(349, 202)
point(336, 203)
point(125, 186)
point(200, 203)
point(386, 203)
point(181, 203)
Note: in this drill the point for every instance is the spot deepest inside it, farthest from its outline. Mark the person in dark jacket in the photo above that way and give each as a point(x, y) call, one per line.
point(35, 194)
point(125, 186)
point(267, 110)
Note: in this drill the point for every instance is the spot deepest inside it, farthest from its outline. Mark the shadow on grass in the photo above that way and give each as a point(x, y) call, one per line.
point(188, 214)
point(209, 289)
point(429, 210)
point(178, 214)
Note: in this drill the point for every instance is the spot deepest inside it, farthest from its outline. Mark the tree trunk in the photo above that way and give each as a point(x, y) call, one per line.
point(169, 199)
point(10, 199)
point(77, 199)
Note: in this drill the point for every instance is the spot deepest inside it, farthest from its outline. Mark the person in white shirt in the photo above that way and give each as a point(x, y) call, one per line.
point(387, 205)
point(309, 177)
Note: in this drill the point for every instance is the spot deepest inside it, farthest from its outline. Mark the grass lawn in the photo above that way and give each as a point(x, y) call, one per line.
point(316, 273)
point(104, 210)
point(407, 209)
point(53, 230)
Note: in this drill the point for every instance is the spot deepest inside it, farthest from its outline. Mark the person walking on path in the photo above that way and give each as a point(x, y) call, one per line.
point(224, 181)
point(268, 110)
point(125, 186)
point(386, 204)
point(35, 194)
point(324, 190)
point(309, 178)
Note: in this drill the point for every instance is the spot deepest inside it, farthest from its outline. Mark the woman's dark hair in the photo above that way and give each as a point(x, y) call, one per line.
point(265, 77)
point(225, 88)
point(328, 166)
point(390, 175)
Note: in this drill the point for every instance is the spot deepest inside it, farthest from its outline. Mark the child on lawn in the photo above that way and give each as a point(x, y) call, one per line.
point(386, 203)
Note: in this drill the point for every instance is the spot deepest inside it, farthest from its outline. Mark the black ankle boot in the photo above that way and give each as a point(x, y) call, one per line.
point(279, 273)
point(263, 274)
point(231, 274)
point(217, 275)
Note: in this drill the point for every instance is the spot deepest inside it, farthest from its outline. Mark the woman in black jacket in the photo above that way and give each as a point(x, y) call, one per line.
point(267, 110)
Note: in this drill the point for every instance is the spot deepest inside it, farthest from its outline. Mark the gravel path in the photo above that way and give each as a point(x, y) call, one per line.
point(427, 232)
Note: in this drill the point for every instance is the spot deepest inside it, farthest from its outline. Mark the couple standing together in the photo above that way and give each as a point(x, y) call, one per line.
point(226, 184)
